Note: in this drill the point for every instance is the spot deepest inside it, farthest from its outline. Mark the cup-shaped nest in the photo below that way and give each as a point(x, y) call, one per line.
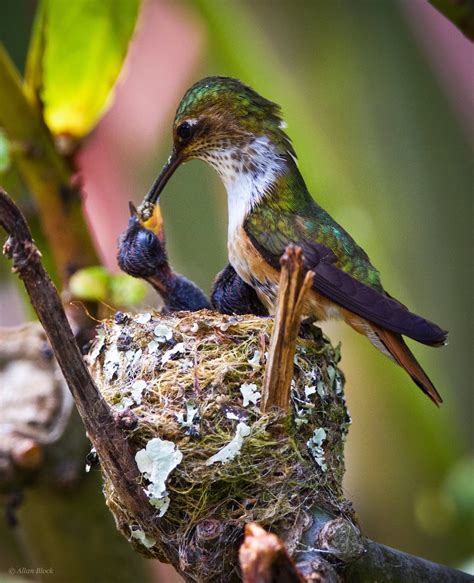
point(190, 386)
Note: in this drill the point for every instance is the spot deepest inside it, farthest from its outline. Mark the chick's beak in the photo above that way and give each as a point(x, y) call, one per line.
point(153, 221)
point(166, 173)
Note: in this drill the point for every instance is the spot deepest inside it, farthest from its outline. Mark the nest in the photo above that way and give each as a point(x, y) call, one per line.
point(190, 385)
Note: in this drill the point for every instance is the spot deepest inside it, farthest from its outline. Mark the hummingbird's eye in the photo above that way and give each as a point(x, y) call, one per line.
point(184, 131)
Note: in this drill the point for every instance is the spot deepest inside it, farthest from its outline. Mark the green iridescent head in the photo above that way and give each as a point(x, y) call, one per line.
point(223, 112)
point(218, 120)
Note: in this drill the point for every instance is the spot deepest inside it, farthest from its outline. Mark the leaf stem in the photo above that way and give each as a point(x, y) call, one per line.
point(46, 174)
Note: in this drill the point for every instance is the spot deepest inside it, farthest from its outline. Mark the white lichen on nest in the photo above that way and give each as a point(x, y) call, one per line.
point(156, 461)
point(194, 380)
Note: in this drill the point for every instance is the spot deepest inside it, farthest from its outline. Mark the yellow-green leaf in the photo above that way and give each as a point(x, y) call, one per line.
point(4, 152)
point(76, 54)
point(126, 291)
point(91, 283)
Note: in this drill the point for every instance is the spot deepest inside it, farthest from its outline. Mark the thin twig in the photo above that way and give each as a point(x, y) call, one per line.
point(294, 285)
point(116, 457)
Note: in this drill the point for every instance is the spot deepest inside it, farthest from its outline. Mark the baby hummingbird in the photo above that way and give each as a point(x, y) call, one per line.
point(241, 134)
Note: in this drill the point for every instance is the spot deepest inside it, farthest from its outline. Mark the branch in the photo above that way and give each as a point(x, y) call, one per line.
point(294, 285)
point(384, 565)
point(45, 173)
point(116, 457)
point(354, 558)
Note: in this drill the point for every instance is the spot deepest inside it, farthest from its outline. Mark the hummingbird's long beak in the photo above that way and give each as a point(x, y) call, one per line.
point(168, 170)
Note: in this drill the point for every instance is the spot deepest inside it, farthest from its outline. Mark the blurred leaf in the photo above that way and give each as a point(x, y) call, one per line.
point(126, 291)
point(91, 283)
point(34, 57)
point(4, 152)
point(76, 54)
point(460, 486)
point(99, 285)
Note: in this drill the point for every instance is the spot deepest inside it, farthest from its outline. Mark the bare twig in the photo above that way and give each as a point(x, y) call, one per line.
point(384, 565)
point(112, 448)
point(294, 285)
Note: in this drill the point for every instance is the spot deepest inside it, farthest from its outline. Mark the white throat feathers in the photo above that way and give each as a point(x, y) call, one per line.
point(248, 173)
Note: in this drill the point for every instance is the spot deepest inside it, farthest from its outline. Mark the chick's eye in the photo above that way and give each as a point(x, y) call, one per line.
point(149, 238)
point(184, 130)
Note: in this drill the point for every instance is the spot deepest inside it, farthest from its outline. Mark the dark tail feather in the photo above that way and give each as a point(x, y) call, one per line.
point(403, 356)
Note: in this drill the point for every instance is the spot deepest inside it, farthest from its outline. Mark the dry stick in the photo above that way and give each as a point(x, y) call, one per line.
point(294, 285)
point(115, 455)
point(263, 558)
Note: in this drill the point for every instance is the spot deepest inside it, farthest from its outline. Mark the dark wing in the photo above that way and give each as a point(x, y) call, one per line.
point(362, 299)
point(373, 305)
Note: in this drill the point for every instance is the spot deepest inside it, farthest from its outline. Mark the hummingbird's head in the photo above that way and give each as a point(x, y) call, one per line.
point(218, 115)
point(231, 127)
point(142, 249)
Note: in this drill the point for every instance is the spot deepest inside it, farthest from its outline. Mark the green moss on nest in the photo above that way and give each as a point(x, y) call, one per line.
point(186, 377)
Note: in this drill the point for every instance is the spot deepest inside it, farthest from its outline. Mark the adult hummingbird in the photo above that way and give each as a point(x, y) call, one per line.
point(241, 134)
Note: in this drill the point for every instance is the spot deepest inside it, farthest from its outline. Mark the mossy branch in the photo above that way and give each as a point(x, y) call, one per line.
point(294, 285)
point(46, 174)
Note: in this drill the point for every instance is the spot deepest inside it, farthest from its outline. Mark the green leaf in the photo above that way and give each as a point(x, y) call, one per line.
point(97, 284)
point(4, 153)
point(76, 54)
point(126, 291)
point(91, 283)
